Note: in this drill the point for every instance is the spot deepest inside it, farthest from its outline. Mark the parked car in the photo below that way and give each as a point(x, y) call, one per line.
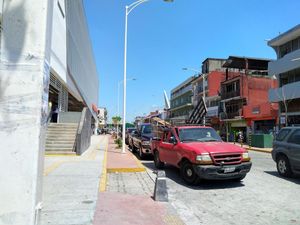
point(200, 153)
point(140, 140)
point(286, 151)
point(127, 134)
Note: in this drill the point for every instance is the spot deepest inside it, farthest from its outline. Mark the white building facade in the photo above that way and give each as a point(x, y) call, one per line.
point(41, 42)
point(287, 71)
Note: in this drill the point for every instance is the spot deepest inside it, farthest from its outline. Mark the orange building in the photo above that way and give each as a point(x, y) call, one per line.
point(244, 97)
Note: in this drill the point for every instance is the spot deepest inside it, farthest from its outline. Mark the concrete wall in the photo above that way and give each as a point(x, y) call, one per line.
point(80, 59)
point(285, 64)
point(69, 117)
point(24, 82)
point(83, 139)
point(287, 92)
point(58, 59)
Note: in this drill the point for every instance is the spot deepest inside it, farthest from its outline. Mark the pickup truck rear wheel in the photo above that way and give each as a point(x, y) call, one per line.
point(188, 173)
point(141, 154)
point(133, 147)
point(158, 164)
point(283, 166)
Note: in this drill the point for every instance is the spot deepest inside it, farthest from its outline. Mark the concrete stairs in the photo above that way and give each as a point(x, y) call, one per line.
point(61, 138)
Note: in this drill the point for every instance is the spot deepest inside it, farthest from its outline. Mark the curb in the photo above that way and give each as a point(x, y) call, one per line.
point(103, 178)
point(258, 150)
point(125, 170)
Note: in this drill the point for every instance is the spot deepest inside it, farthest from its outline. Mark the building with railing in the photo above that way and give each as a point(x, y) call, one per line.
point(213, 74)
point(287, 71)
point(182, 101)
point(244, 96)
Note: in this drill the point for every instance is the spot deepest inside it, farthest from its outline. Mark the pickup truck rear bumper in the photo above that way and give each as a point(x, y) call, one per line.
point(212, 172)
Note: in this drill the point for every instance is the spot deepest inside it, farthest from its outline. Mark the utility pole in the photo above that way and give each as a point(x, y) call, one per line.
point(24, 87)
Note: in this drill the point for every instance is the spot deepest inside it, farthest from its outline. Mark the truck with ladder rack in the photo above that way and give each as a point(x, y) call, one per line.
point(199, 153)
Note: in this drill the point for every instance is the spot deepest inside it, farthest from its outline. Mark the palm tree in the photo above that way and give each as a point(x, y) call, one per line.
point(116, 120)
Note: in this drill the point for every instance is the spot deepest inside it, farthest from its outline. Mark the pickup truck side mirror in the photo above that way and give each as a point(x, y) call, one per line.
point(173, 140)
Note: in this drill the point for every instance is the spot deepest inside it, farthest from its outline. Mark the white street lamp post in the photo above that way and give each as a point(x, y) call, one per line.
point(203, 87)
point(128, 10)
point(120, 82)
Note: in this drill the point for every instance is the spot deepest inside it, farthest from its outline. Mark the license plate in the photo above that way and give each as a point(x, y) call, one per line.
point(229, 169)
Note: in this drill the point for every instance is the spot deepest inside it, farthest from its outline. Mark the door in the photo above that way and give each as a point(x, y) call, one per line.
point(167, 150)
point(293, 145)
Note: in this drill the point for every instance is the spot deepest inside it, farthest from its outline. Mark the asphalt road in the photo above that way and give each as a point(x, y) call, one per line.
point(261, 198)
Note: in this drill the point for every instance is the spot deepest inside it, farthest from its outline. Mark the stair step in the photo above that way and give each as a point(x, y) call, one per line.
point(62, 128)
point(60, 137)
point(60, 145)
point(63, 124)
point(62, 132)
point(60, 152)
point(58, 141)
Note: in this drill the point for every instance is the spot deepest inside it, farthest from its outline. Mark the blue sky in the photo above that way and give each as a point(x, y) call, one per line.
point(165, 37)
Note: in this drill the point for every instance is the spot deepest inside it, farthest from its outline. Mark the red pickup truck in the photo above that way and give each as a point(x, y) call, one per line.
point(200, 154)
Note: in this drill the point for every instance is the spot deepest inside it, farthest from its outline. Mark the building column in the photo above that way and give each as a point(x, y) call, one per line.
point(24, 88)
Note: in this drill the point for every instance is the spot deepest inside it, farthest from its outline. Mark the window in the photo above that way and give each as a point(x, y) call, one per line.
point(198, 134)
point(288, 47)
point(295, 138)
point(146, 129)
point(282, 134)
point(171, 137)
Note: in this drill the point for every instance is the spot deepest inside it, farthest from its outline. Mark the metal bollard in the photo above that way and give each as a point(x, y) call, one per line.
point(160, 189)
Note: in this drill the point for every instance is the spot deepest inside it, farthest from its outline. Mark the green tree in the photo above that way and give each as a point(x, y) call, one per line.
point(116, 120)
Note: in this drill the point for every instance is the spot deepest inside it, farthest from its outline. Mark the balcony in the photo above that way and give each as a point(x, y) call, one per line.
point(228, 95)
point(285, 64)
point(182, 91)
point(286, 92)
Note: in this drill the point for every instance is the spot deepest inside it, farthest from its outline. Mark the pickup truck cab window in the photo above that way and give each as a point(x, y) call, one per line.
point(198, 135)
point(146, 129)
point(171, 138)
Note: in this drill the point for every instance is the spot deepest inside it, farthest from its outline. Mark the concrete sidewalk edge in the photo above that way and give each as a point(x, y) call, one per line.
point(103, 178)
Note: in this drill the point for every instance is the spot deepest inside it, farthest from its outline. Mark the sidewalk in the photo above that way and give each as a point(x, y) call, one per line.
point(126, 194)
point(70, 185)
point(101, 187)
point(265, 150)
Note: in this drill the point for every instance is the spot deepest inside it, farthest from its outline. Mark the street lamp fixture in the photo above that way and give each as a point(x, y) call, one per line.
point(203, 87)
point(128, 10)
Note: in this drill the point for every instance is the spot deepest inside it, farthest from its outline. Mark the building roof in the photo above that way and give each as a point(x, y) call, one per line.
point(184, 83)
point(240, 62)
point(285, 37)
point(216, 59)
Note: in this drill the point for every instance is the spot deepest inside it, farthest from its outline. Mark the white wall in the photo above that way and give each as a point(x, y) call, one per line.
point(24, 50)
point(59, 48)
point(284, 64)
point(80, 58)
point(287, 92)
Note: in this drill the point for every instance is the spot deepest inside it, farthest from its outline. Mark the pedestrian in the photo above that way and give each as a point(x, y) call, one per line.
point(54, 115)
point(240, 136)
